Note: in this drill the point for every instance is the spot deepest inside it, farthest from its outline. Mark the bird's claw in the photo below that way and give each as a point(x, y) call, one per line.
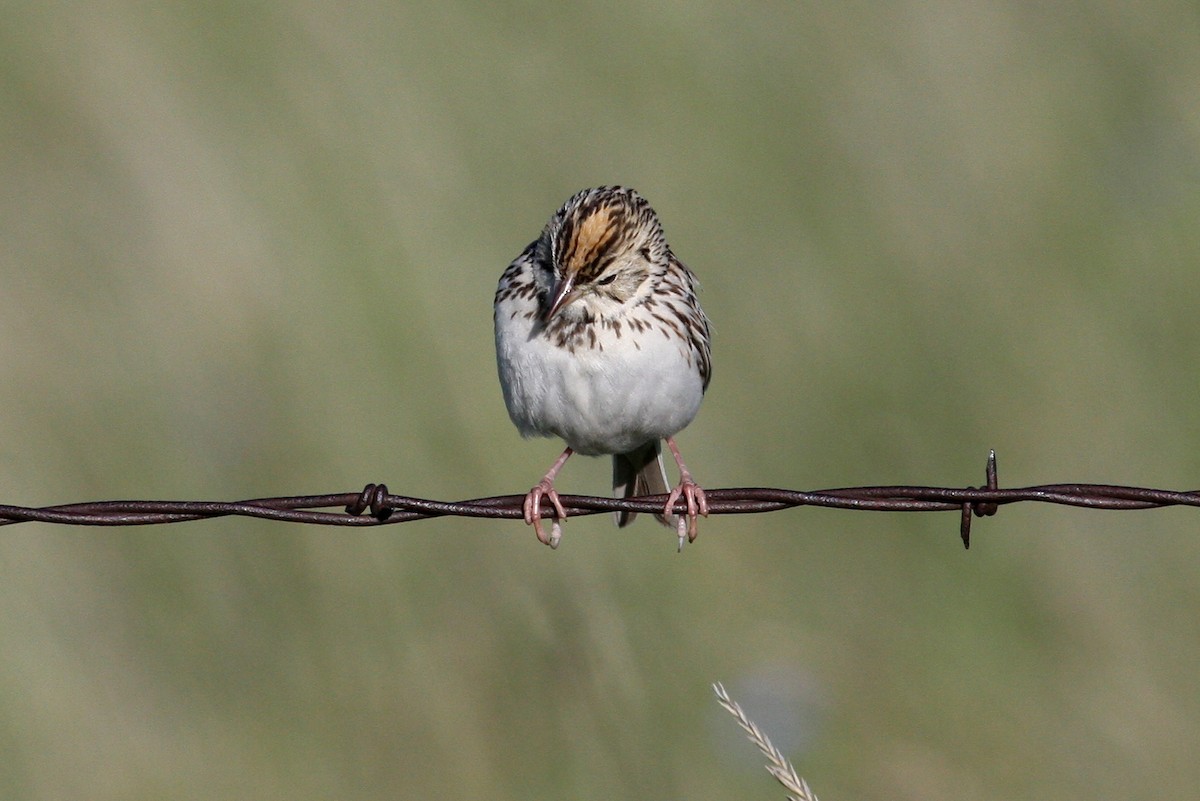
point(533, 512)
point(697, 504)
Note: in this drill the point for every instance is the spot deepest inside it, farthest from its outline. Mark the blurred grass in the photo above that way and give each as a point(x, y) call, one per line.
point(250, 249)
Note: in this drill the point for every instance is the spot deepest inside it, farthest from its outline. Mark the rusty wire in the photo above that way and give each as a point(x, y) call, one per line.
point(385, 508)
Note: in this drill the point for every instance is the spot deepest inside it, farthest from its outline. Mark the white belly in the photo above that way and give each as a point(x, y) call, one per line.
point(612, 398)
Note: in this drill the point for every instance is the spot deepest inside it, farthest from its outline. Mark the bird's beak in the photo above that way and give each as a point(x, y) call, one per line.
point(564, 292)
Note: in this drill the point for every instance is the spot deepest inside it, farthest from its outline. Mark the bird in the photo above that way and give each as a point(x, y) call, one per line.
point(601, 342)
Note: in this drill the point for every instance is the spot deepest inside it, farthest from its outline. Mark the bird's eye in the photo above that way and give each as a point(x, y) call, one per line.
point(606, 280)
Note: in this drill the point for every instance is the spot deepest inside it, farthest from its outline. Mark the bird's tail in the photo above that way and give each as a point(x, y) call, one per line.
point(640, 472)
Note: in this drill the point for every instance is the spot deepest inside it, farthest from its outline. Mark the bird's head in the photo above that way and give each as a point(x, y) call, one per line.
point(603, 248)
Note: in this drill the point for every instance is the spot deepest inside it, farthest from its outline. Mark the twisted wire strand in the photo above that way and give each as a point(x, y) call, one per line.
point(385, 508)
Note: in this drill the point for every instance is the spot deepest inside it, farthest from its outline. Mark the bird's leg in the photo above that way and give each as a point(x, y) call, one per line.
point(691, 491)
point(533, 503)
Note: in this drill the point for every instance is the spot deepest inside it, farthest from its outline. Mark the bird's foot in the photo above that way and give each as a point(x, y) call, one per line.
point(533, 512)
point(697, 504)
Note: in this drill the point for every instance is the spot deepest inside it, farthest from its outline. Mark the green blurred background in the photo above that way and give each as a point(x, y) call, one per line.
point(250, 249)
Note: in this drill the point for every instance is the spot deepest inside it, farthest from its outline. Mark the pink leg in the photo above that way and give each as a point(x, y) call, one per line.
point(690, 490)
point(533, 503)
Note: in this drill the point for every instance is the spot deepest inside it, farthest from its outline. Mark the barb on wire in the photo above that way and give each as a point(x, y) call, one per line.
point(386, 509)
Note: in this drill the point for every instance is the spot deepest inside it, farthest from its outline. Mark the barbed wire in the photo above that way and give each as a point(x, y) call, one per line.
point(387, 509)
